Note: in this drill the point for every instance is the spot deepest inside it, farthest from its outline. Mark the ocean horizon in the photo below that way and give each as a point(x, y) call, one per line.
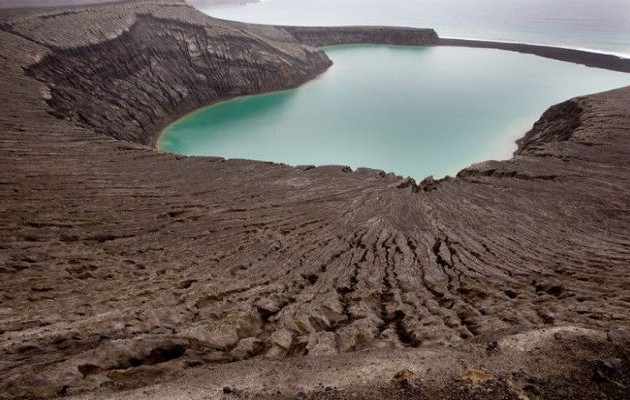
point(590, 25)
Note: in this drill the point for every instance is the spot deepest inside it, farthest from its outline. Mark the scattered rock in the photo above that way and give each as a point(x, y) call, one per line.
point(404, 379)
point(322, 343)
point(619, 336)
point(476, 377)
point(246, 348)
point(217, 339)
point(282, 338)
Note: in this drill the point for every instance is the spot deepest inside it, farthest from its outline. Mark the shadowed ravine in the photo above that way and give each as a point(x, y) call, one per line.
point(123, 267)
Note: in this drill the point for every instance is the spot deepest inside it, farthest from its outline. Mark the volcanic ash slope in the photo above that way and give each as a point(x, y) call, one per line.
point(123, 267)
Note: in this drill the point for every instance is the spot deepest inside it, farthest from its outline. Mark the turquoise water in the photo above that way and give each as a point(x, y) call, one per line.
point(412, 111)
point(602, 25)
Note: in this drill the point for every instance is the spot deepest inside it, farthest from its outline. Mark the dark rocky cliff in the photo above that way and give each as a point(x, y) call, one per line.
point(157, 69)
point(132, 86)
point(123, 267)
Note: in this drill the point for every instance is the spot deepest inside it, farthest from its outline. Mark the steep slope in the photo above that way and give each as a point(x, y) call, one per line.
point(122, 266)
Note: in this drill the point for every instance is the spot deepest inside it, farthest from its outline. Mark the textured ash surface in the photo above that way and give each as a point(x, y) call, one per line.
point(122, 267)
point(47, 3)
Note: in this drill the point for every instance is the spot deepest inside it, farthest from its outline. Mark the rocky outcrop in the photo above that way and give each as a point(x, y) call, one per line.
point(558, 124)
point(123, 267)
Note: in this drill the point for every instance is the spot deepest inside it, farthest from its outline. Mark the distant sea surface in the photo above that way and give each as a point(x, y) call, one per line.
point(598, 25)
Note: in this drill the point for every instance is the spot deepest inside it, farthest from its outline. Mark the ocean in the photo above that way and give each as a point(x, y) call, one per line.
point(598, 25)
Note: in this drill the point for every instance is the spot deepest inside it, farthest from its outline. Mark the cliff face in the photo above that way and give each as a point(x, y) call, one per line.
point(157, 69)
point(123, 267)
point(132, 86)
point(558, 124)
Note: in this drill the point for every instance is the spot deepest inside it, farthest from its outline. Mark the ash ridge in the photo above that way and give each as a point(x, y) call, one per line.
point(123, 267)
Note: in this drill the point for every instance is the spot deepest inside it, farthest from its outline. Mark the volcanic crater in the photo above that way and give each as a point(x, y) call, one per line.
point(128, 269)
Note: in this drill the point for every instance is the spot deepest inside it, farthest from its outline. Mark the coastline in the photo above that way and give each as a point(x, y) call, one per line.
point(156, 143)
point(568, 47)
point(575, 56)
point(583, 57)
point(419, 169)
